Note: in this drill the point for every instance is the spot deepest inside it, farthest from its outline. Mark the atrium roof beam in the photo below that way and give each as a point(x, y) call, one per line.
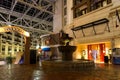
point(5, 11)
point(47, 18)
point(35, 30)
point(29, 29)
point(49, 1)
point(52, 3)
point(3, 17)
point(43, 21)
point(26, 22)
point(43, 26)
point(39, 13)
point(37, 7)
point(25, 13)
point(40, 2)
point(12, 8)
point(34, 2)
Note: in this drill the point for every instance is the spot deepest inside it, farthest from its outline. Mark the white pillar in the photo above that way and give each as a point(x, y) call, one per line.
point(57, 19)
point(0, 44)
point(13, 43)
point(6, 49)
point(69, 12)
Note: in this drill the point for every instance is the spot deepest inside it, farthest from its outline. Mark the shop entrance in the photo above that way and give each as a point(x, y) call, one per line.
point(96, 52)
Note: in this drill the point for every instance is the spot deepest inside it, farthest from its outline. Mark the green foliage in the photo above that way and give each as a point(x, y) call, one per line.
point(9, 60)
point(64, 38)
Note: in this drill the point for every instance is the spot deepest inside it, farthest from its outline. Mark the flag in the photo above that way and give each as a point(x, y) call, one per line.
point(116, 24)
point(117, 14)
point(117, 18)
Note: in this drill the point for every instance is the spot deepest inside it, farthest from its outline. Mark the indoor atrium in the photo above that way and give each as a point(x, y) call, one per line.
point(59, 39)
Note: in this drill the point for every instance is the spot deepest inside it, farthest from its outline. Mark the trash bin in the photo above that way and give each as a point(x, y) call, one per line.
point(106, 60)
point(33, 56)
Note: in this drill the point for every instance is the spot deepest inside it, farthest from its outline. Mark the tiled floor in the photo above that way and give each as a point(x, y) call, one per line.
point(34, 72)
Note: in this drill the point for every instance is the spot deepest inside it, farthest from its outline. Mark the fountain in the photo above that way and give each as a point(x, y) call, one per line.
point(67, 63)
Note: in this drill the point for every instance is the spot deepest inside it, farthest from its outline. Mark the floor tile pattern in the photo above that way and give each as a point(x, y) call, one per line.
point(35, 72)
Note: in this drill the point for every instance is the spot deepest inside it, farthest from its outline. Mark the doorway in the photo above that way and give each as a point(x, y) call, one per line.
point(96, 52)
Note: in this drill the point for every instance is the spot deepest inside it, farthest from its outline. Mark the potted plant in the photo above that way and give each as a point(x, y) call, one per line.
point(9, 60)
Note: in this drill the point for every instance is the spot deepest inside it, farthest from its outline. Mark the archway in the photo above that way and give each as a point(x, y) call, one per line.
point(26, 38)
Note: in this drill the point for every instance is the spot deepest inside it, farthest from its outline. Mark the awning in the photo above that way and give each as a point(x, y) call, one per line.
point(98, 22)
point(91, 24)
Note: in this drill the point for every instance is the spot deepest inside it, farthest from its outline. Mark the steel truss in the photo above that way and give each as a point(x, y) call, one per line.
point(36, 17)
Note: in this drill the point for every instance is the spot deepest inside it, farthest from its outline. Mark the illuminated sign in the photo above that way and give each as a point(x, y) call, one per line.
point(14, 28)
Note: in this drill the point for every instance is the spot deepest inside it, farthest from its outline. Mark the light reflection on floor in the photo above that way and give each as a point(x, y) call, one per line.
point(35, 72)
point(2, 62)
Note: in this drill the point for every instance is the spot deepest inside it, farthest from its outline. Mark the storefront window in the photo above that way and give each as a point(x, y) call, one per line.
point(81, 9)
point(95, 4)
point(79, 12)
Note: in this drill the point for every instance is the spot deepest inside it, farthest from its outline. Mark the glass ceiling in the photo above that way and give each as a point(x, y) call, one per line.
point(35, 16)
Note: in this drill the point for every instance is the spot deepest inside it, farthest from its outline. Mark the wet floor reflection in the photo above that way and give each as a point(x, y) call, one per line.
point(34, 72)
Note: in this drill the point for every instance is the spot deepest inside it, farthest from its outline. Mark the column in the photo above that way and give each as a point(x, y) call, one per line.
point(27, 51)
point(0, 44)
point(57, 23)
point(13, 43)
point(22, 43)
point(6, 49)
